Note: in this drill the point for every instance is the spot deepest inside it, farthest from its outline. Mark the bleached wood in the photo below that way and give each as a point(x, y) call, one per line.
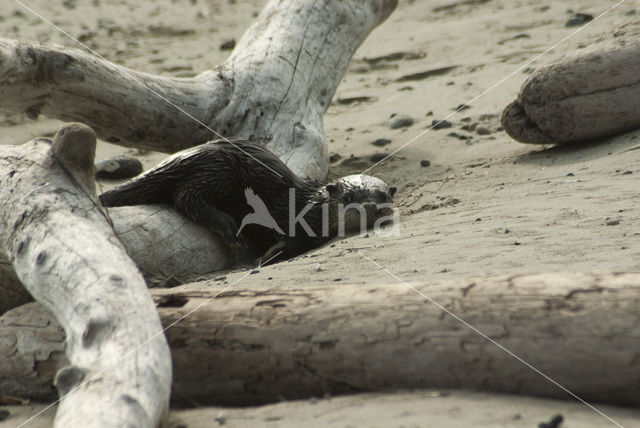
point(592, 94)
point(162, 243)
point(274, 88)
point(263, 345)
point(65, 253)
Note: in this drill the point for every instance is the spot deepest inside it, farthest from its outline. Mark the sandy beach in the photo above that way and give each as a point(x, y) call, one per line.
point(472, 201)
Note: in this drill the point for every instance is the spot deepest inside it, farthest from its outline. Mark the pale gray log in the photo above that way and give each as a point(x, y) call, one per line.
point(65, 253)
point(592, 94)
point(161, 242)
point(274, 88)
point(264, 345)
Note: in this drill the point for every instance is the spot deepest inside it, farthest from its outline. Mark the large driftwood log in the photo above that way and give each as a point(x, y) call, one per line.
point(65, 253)
point(161, 242)
point(593, 94)
point(263, 345)
point(274, 88)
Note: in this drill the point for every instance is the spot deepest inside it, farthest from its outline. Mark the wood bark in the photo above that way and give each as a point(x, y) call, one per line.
point(65, 253)
point(263, 345)
point(592, 94)
point(274, 88)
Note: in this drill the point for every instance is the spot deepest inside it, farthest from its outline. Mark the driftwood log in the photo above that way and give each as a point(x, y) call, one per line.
point(274, 88)
point(263, 345)
point(162, 243)
point(65, 253)
point(592, 94)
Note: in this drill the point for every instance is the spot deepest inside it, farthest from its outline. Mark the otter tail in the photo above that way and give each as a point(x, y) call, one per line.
point(146, 189)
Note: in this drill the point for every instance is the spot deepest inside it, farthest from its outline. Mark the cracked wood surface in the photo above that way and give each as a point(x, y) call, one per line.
point(592, 94)
point(65, 253)
point(275, 87)
point(262, 345)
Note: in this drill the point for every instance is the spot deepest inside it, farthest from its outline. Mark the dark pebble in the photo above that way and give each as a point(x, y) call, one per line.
point(613, 222)
point(441, 124)
point(507, 231)
point(478, 219)
point(578, 19)
point(400, 121)
point(254, 271)
point(227, 45)
point(381, 142)
point(334, 157)
point(377, 157)
point(553, 423)
point(458, 136)
point(627, 172)
point(462, 107)
point(425, 163)
point(337, 279)
point(570, 174)
point(482, 130)
point(118, 168)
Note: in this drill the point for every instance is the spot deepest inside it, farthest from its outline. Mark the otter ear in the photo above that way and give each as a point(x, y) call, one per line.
point(392, 191)
point(333, 188)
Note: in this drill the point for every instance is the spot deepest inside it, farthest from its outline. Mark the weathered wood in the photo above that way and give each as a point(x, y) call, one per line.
point(263, 345)
point(592, 94)
point(161, 242)
point(274, 88)
point(65, 253)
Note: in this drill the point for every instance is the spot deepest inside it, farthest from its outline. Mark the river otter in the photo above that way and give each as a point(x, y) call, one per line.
point(222, 184)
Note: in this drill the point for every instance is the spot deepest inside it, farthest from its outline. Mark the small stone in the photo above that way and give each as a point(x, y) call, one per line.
point(400, 121)
point(441, 124)
point(482, 130)
point(349, 129)
point(377, 157)
point(553, 423)
point(612, 222)
point(458, 136)
point(337, 279)
point(425, 163)
point(462, 107)
point(578, 19)
point(478, 219)
point(253, 272)
point(334, 157)
point(627, 172)
point(118, 167)
point(571, 174)
point(227, 45)
point(270, 278)
point(507, 231)
point(381, 142)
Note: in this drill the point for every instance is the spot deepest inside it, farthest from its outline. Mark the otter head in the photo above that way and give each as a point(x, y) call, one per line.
point(363, 202)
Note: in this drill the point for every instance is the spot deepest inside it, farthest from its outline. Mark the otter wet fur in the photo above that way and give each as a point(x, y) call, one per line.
point(242, 192)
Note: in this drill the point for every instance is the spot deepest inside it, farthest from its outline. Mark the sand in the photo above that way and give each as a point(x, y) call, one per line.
point(484, 205)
